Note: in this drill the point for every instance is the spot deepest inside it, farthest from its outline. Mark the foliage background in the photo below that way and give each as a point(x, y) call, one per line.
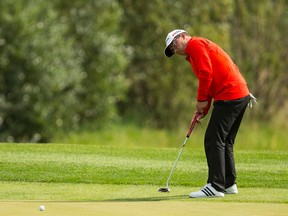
point(67, 65)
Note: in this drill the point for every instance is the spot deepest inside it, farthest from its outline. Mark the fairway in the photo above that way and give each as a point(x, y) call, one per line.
point(163, 208)
point(98, 180)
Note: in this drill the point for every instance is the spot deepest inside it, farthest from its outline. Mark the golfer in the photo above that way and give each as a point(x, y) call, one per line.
point(219, 80)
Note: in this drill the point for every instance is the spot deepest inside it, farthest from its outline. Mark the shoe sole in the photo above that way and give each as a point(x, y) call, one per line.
point(205, 197)
point(231, 192)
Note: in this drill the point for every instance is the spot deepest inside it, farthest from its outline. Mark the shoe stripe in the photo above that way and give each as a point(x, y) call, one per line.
point(210, 191)
point(205, 192)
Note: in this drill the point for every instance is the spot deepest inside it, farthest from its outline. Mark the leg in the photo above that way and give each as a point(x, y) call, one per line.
point(229, 150)
point(215, 147)
point(221, 131)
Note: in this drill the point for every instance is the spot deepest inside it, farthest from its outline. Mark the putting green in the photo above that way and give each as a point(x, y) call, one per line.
point(159, 208)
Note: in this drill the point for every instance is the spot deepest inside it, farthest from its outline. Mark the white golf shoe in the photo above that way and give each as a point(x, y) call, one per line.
point(231, 190)
point(206, 192)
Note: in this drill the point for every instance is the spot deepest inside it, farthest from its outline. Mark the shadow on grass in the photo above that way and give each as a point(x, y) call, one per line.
point(147, 199)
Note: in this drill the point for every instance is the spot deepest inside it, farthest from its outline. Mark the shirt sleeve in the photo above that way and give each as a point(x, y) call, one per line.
point(202, 65)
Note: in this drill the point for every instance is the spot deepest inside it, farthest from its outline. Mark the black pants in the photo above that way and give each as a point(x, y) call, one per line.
point(219, 140)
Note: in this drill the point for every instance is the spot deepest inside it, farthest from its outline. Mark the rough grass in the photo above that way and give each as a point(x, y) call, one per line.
point(252, 136)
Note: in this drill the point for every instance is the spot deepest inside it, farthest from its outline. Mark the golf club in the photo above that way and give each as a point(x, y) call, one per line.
point(192, 124)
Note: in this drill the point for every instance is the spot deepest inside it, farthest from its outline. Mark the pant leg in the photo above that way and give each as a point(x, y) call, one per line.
point(220, 126)
point(230, 170)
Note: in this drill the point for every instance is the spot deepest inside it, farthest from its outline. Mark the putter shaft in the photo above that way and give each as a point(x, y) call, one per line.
point(172, 170)
point(192, 124)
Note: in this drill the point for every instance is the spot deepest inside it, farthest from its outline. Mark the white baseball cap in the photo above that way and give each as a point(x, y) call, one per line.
point(170, 37)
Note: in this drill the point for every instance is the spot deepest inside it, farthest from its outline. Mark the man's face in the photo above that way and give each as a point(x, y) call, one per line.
point(177, 45)
point(174, 44)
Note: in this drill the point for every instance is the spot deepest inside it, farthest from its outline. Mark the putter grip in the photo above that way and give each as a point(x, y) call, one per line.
point(192, 124)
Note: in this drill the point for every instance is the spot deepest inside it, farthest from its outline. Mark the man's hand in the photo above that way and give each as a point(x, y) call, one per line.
point(201, 106)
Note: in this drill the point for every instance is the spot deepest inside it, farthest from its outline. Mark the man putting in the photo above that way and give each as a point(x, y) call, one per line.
point(218, 79)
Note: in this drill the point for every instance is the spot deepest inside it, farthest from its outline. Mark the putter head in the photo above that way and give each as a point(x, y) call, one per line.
point(164, 190)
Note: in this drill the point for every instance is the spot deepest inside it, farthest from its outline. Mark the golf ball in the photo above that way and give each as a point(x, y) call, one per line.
point(41, 208)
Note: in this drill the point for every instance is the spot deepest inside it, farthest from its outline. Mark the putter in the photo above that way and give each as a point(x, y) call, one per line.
point(192, 124)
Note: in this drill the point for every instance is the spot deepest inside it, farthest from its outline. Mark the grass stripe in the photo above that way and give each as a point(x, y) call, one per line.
point(127, 193)
point(123, 170)
point(106, 165)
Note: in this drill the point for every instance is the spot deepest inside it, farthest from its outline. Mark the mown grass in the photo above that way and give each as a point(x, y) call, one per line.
point(107, 168)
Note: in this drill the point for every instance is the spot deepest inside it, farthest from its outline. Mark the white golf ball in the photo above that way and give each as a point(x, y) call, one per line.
point(41, 208)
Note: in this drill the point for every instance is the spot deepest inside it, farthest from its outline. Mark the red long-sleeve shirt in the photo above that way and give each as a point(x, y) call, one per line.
point(219, 78)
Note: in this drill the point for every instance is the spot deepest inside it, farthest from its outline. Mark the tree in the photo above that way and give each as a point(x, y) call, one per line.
point(258, 36)
point(60, 68)
point(40, 73)
point(95, 26)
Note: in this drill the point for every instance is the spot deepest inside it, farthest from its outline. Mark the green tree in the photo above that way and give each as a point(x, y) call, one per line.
point(95, 26)
point(40, 73)
point(62, 66)
point(259, 40)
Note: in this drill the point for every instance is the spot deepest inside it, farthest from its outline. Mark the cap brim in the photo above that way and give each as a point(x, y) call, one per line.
point(168, 52)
